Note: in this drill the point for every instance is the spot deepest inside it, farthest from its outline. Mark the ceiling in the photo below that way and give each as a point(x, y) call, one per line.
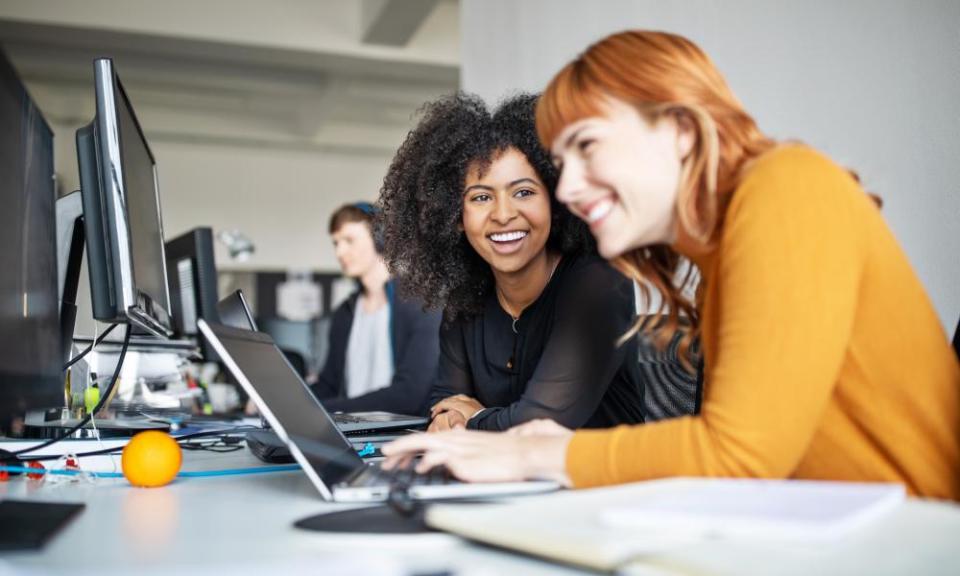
point(326, 74)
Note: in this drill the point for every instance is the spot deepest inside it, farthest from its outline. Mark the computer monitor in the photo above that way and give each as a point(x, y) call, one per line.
point(193, 284)
point(121, 208)
point(31, 367)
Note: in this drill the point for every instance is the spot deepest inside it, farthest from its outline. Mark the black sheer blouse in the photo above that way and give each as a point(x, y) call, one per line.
point(562, 361)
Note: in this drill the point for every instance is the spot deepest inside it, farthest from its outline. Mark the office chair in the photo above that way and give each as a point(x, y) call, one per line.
point(296, 360)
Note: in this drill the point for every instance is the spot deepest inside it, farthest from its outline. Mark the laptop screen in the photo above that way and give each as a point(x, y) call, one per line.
point(233, 311)
point(288, 399)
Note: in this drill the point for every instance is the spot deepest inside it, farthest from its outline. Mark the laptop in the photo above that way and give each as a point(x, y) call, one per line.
point(235, 312)
point(321, 449)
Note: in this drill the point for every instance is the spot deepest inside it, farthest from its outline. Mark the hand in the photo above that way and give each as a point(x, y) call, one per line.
point(540, 427)
point(451, 420)
point(460, 403)
point(484, 456)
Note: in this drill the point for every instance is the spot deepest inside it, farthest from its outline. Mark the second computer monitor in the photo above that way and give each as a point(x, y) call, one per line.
point(193, 284)
point(121, 206)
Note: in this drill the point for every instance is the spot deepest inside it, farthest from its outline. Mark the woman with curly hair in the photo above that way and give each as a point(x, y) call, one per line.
point(807, 308)
point(532, 314)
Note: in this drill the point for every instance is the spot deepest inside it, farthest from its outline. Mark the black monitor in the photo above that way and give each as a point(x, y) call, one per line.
point(31, 366)
point(121, 209)
point(193, 284)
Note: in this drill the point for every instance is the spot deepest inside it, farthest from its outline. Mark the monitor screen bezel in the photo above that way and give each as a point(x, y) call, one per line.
point(110, 94)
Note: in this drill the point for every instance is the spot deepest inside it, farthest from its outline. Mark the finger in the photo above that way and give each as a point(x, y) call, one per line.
point(418, 442)
point(401, 461)
point(391, 462)
point(541, 426)
point(441, 406)
point(405, 461)
point(431, 460)
point(457, 421)
point(474, 469)
point(439, 424)
point(524, 429)
point(453, 406)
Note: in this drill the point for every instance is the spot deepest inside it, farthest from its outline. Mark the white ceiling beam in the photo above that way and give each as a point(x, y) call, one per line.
point(394, 22)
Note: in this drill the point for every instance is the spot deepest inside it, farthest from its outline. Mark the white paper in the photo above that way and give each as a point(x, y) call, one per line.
point(764, 509)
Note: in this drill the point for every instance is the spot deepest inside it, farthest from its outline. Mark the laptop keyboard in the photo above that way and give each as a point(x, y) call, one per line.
point(342, 418)
point(374, 475)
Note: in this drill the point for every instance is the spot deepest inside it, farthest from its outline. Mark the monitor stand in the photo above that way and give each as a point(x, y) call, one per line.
point(71, 283)
point(50, 424)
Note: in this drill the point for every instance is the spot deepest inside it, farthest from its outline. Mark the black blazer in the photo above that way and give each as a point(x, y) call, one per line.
point(414, 336)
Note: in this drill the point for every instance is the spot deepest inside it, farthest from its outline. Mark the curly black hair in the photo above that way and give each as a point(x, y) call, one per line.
point(421, 202)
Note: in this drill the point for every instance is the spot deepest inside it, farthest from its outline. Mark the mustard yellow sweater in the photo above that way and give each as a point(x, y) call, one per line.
point(824, 357)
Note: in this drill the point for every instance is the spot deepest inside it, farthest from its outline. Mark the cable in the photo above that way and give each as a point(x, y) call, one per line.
point(186, 474)
point(116, 449)
point(83, 421)
point(96, 433)
point(87, 350)
point(239, 471)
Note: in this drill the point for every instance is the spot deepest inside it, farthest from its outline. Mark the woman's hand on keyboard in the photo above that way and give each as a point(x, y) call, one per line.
point(486, 456)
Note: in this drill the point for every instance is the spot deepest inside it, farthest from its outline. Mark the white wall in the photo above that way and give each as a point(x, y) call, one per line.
point(281, 198)
point(873, 83)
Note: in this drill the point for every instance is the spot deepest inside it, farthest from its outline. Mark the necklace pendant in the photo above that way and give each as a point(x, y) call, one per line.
point(515, 331)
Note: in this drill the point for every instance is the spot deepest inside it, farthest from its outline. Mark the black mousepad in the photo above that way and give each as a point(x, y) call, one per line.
point(398, 516)
point(376, 520)
point(28, 525)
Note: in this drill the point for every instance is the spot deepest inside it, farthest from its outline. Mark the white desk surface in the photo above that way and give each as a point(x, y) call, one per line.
point(244, 525)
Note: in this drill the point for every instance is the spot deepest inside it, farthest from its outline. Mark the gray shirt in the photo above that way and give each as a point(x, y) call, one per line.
point(369, 355)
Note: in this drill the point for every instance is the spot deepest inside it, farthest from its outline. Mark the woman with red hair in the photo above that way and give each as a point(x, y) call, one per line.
point(824, 358)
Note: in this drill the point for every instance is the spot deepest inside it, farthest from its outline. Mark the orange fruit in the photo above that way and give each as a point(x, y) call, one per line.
point(151, 459)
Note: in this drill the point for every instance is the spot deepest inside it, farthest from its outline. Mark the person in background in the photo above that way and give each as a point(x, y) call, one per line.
point(532, 314)
point(383, 349)
point(824, 357)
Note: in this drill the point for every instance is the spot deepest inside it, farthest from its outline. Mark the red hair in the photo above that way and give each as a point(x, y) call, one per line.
point(662, 73)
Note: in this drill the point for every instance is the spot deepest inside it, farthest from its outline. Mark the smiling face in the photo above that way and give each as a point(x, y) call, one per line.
point(620, 173)
point(506, 212)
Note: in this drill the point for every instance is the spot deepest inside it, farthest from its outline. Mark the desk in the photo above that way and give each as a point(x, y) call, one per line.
point(233, 524)
point(244, 525)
